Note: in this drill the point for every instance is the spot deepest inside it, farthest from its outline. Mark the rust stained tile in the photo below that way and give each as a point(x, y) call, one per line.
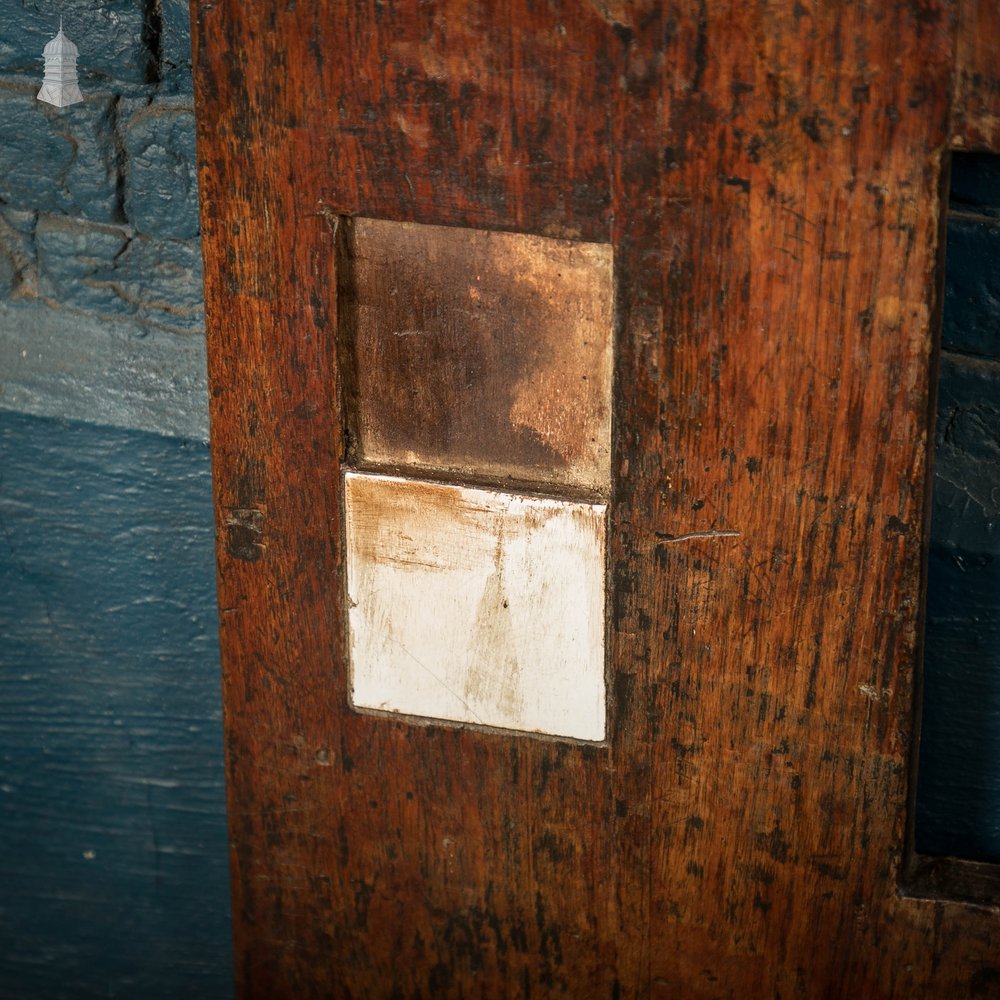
point(476, 606)
point(485, 355)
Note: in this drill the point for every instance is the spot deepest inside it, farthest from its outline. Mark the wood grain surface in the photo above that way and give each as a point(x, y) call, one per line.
point(770, 177)
point(976, 115)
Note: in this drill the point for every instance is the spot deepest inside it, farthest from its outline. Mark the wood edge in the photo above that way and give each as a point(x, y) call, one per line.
point(930, 438)
point(954, 880)
point(214, 319)
point(975, 117)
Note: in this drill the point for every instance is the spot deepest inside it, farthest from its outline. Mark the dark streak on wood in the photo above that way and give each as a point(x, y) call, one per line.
point(770, 178)
point(976, 114)
point(244, 534)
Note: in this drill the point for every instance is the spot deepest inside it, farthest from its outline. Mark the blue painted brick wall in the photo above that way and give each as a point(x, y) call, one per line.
point(98, 201)
point(113, 845)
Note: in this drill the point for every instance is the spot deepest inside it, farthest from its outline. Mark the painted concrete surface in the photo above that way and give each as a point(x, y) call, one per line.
point(113, 843)
point(56, 363)
point(476, 606)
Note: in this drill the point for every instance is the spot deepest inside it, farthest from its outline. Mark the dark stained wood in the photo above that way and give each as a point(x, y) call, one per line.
point(769, 176)
point(976, 115)
point(953, 879)
point(372, 856)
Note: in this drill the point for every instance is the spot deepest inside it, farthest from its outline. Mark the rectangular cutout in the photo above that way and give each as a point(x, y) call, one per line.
point(957, 800)
point(476, 606)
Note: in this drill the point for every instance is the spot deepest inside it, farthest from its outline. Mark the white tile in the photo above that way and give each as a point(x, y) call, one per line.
point(476, 606)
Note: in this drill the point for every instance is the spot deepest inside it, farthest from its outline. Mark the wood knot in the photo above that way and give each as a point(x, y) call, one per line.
point(244, 533)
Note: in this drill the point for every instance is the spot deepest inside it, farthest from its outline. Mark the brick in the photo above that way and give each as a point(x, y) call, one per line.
point(160, 280)
point(175, 34)
point(18, 271)
point(59, 160)
point(8, 271)
point(34, 156)
point(110, 272)
point(20, 220)
point(968, 423)
point(965, 522)
point(975, 183)
point(161, 193)
point(74, 246)
point(971, 321)
point(70, 253)
point(960, 739)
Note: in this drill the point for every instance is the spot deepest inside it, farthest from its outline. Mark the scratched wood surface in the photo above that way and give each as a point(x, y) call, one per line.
point(769, 176)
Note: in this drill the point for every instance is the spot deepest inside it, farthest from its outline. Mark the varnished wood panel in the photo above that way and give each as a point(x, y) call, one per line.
point(373, 857)
point(769, 177)
point(797, 361)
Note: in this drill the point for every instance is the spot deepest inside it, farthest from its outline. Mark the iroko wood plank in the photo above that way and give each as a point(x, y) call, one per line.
point(769, 177)
point(372, 856)
point(797, 356)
